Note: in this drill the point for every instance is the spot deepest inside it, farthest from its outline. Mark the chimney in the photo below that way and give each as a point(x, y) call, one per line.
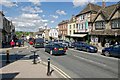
point(103, 4)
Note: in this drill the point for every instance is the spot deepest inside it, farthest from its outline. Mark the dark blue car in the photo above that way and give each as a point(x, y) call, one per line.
point(73, 44)
point(55, 48)
point(86, 47)
point(112, 51)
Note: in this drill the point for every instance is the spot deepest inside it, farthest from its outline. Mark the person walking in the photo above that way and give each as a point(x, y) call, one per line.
point(12, 43)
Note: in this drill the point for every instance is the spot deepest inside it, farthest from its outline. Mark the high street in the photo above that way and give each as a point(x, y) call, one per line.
point(74, 64)
point(79, 64)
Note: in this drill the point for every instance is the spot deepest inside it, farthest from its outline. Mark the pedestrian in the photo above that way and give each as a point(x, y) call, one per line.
point(12, 43)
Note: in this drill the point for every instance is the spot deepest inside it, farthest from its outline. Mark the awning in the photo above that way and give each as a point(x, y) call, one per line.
point(78, 35)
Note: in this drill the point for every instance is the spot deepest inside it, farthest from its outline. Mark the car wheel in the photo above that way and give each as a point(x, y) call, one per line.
point(51, 52)
point(106, 53)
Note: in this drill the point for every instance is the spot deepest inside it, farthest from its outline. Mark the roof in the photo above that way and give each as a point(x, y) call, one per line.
point(63, 22)
point(90, 7)
point(108, 11)
point(73, 19)
point(2, 13)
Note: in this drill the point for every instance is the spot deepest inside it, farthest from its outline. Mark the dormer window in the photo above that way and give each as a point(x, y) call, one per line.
point(115, 24)
point(99, 25)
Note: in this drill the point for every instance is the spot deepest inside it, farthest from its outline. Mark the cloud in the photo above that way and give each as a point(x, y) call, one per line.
point(43, 15)
point(30, 9)
point(52, 21)
point(61, 12)
point(77, 3)
point(44, 21)
point(35, 2)
point(8, 3)
point(28, 22)
point(54, 16)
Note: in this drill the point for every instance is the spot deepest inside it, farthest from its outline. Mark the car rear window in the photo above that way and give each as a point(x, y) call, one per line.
point(57, 45)
point(39, 40)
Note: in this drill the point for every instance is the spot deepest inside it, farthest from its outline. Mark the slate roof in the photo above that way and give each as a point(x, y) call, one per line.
point(63, 22)
point(90, 7)
point(108, 11)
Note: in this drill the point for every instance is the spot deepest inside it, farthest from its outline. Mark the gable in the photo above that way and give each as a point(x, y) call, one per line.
point(116, 15)
point(99, 18)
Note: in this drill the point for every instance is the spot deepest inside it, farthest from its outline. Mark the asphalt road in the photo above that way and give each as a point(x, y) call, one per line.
point(79, 64)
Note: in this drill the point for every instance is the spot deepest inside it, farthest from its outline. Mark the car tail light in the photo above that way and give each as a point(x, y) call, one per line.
point(55, 49)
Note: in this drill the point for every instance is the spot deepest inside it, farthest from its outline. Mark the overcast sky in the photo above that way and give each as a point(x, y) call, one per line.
point(29, 15)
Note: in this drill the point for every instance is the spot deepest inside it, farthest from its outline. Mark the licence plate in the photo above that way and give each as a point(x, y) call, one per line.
point(37, 44)
point(60, 48)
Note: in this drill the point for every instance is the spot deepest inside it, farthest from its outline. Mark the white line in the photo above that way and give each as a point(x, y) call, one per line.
point(58, 70)
point(89, 60)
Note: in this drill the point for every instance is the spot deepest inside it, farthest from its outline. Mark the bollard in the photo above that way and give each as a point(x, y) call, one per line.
point(48, 70)
point(34, 61)
point(7, 56)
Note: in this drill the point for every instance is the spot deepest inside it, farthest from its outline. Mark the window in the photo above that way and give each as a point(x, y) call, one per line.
point(74, 31)
point(77, 26)
point(115, 24)
point(70, 26)
point(74, 26)
point(55, 34)
point(82, 26)
point(70, 32)
point(99, 25)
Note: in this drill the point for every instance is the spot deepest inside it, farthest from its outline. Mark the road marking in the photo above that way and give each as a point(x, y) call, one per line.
point(96, 54)
point(59, 71)
point(89, 60)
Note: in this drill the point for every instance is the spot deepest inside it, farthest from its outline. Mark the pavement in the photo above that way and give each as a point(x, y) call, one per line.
point(27, 70)
point(23, 66)
point(4, 49)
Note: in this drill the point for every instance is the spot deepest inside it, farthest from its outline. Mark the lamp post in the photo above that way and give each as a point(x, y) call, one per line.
point(88, 37)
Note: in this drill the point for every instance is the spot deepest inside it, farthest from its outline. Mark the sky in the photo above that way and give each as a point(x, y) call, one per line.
point(30, 15)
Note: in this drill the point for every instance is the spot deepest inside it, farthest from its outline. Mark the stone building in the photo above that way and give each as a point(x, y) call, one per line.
point(84, 21)
point(71, 29)
point(106, 25)
point(7, 30)
point(63, 29)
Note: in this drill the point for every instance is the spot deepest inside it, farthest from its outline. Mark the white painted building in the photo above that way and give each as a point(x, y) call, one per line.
point(53, 33)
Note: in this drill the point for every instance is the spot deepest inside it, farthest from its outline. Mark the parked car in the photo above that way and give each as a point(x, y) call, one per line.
point(73, 44)
point(112, 51)
point(39, 43)
point(86, 47)
point(55, 48)
point(19, 42)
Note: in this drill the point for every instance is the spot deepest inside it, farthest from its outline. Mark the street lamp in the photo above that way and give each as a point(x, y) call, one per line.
point(88, 37)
